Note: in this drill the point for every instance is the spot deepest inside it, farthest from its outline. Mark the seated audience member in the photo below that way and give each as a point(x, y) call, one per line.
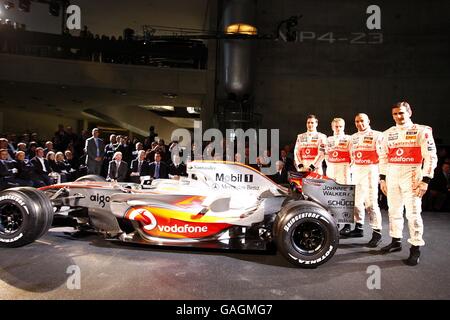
point(125, 148)
point(61, 167)
point(72, 161)
point(48, 148)
point(33, 137)
point(4, 145)
point(439, 190)
point(158, 168)
point(139, 146)
point(177, 169)
point(117, 169)
point(41, 168)
point(24, 175)
point(281, 176)
point(139, 167)
point(31, 153)
point(12, 144)
point(7, 171)
point(22, 146)
point(50, 156)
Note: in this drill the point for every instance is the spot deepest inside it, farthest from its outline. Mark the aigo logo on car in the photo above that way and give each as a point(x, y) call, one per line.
point(157, 225)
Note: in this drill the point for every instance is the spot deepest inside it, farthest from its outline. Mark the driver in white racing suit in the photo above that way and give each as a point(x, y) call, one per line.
point(365, 147)
point(407, 165)
point(337, 157)
point(309, 149)
point(338, 153)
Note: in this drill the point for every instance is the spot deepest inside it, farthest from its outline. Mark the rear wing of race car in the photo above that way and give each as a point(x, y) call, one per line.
point(338, 199)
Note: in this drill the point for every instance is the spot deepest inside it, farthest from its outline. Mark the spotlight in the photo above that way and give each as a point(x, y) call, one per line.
point(53, 8)
point(24, 5)
point(8, 5)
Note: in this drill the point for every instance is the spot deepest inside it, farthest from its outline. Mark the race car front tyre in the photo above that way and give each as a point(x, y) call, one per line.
point(306, 235)
point(91, 177)
point(25, 215)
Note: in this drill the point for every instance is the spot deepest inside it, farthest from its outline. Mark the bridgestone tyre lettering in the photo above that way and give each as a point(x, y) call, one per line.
point(91, 177)
point(35, 212)
point(299, 220)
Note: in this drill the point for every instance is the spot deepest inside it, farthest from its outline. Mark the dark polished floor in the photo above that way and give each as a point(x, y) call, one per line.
point(114, 271)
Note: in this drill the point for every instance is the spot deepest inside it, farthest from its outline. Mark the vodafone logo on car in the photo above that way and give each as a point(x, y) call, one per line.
point(186, 228)
point(307, 151)
point(335, 154)
point(144, 216)
point(359, 155)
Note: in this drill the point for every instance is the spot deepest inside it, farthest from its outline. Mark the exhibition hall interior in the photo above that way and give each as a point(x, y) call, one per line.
point(224, 150)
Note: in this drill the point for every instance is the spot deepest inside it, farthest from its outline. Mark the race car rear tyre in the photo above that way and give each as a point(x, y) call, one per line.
point(25, 215)
point(91, 177)
point(306, 235)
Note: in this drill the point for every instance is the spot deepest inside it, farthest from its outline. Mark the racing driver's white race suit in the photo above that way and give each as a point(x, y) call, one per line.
point(338, 158)
point(408, 157)
point(365, 147)
point(309, 151)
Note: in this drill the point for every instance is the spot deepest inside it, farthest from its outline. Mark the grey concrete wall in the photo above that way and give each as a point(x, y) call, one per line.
point(342, 78)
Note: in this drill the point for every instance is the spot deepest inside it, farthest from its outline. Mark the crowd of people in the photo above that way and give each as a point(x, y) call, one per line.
point(124, 49)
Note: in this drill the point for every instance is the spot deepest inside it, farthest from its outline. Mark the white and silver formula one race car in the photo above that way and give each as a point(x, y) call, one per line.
point(219, 205)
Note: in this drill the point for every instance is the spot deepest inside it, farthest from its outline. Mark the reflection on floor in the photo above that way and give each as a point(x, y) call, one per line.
point(48, 269)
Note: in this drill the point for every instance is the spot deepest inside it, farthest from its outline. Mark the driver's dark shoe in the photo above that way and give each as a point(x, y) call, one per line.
point(394, 246)
point(358, 232)
point(414, 254)
point(376, 239)
point(345, 230)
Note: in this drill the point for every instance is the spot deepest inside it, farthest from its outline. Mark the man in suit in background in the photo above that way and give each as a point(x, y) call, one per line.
point(158, 168)
point(95, 150)
point(288, 162)
point(281, 176)
point(177, 169)
point(117, 169)
point(439, 194)
point(139, 167)
point(41, 168)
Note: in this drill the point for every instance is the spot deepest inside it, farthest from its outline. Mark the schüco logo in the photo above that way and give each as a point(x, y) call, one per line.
point(100, 199)
point(342, 202)
point(239, 177)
